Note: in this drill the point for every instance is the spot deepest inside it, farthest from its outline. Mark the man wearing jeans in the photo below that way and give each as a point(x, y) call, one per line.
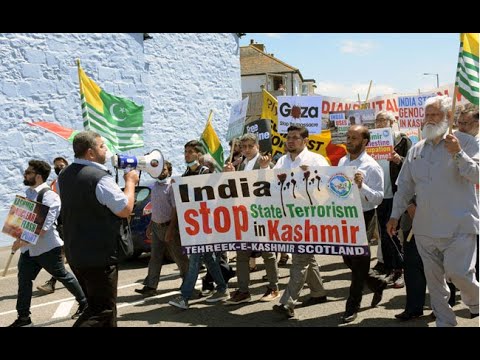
point(193, 150)
point(46, 253)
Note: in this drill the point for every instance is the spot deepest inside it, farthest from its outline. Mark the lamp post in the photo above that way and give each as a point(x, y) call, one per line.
point(438, 83)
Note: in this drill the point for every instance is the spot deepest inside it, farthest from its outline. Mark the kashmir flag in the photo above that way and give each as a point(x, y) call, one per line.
point(318, 143)
point(118, 120)
point(212, 144)
point(467, 69)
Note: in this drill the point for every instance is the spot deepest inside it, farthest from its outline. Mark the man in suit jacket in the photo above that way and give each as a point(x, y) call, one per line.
point(253, 160)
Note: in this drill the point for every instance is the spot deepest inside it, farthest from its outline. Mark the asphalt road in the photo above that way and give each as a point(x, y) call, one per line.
point(54, 310)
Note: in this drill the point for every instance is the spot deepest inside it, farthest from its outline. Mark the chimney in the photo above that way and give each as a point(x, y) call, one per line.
point(260, 47)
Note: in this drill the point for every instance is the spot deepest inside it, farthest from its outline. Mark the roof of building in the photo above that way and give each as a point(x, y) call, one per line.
point(254, 61)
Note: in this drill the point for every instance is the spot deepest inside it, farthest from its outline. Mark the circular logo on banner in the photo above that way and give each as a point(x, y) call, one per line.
point(340, 185)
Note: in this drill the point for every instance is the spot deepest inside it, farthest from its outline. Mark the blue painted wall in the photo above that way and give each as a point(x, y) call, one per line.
point(177, 77)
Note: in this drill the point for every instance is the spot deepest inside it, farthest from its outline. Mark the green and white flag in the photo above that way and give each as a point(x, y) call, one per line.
point(467, 70)
point(118, 120)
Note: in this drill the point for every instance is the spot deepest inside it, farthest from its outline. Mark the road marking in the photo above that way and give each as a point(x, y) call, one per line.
point(63, 309)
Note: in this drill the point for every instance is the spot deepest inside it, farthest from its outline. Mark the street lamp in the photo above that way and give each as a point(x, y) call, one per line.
point(438, 83)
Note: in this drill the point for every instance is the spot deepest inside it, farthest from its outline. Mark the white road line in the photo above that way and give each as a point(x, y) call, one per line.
point(120, 287)
point(63, 309)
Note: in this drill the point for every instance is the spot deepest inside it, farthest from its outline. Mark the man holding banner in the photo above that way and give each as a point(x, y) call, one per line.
point(46, 253)
point(369, 179)
point(253, 161)
point(304, 266)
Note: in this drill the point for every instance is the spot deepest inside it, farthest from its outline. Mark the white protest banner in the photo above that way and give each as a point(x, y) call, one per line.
point(303, 111)
point(317, 211)
point(380, 146)
point(238, 114)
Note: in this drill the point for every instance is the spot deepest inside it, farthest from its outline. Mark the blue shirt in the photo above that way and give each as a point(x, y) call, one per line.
point(108, 192)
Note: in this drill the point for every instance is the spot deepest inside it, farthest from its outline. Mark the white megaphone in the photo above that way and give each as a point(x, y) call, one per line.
point(151, 162)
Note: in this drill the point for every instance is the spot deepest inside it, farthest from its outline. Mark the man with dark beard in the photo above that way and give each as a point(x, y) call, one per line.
point(93, 206)
point(59, 163)
point(46, 252)
point(369, 180)
point(442, 170)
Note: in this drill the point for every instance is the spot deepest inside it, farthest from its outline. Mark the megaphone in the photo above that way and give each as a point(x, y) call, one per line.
point(151, 162)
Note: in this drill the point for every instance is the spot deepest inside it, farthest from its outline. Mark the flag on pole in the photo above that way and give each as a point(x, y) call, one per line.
point(62, 131)
point(212, 144)
point(118, 120)
point(467, 69)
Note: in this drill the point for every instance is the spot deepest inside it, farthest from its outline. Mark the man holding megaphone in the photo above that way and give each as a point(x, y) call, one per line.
point(93, 206)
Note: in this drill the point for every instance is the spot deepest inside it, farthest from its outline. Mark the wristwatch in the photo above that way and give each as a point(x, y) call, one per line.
point(458, 155)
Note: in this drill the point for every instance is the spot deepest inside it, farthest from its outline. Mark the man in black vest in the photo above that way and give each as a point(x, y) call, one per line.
point(93, 206)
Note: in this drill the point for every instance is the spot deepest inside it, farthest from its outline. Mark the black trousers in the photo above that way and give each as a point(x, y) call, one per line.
point(391, 247)
point(415, 282)
point(361, 273)
point(100, 287)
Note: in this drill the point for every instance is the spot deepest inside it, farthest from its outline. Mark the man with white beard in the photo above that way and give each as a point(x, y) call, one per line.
point(442, 170)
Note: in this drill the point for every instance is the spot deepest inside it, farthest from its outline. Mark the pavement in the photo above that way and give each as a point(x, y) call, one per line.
point(54, 310)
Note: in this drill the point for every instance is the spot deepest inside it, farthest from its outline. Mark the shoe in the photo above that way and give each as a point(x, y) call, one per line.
point(348, 317)
point(314, 300)
point(393, 276)
point(146, 291)
point(238, 297)
point(270, 295)
point(379, 268)
point(399, 283)
point(218, 296)
point(284, 259)
point(80, 311)
point(22, 322)
point(405, 316)
point(377, 295)
point(179, 302)
point(473, 315)
point(47, 288)
point(285, 310)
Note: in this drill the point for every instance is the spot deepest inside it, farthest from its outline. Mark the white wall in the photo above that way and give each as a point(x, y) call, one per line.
point(178, 77)
point(252, 83)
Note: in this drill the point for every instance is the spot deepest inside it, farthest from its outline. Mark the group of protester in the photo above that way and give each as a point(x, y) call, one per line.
point(431, 183)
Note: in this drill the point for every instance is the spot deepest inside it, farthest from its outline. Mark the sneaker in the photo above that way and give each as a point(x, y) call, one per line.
point(314, 301)
point(80, 310)
point(47, 288)
point(379, 268)
point(238, 297)
point(270, 295)
point(146, 291)
point(218, 296)
point(22, 322)
point(179, 302)
point(284, 310)
point(399, 283)
point(284, 259)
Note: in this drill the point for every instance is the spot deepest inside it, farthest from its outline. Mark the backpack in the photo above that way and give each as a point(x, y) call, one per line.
point(58, 222)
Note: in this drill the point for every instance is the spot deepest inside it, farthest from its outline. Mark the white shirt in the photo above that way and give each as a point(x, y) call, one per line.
point(249, 164)
point(306, 157)
point(372, 187)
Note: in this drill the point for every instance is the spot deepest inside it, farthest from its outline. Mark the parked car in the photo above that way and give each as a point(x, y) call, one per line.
point(141, 215)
